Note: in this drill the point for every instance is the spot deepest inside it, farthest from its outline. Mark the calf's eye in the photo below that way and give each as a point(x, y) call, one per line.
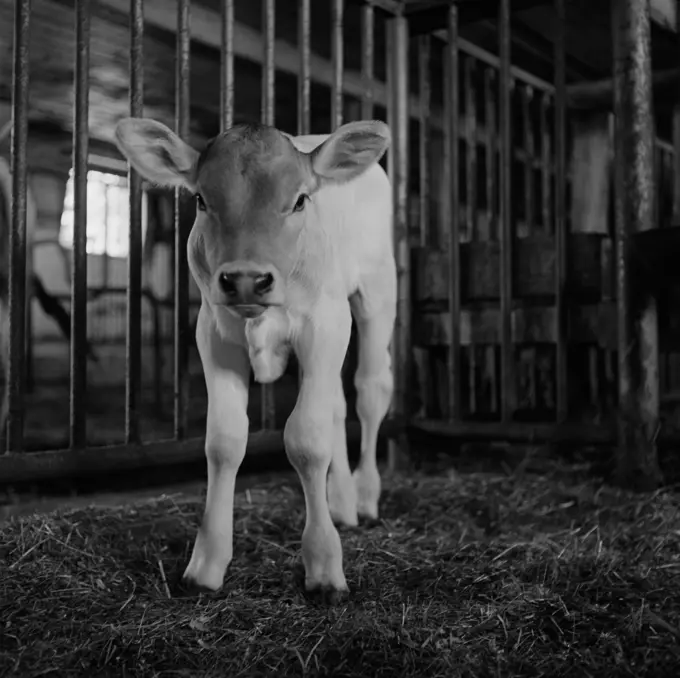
point(300, 203)
point(200, 203)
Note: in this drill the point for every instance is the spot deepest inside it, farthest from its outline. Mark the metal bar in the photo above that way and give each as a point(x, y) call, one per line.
point(337, 60)
point(546, 165)
point(505, 218)
point(398, 166)
point(676, 133)
point(638, 349)
point(268, 118)
point(305, 74)
point(560, 211)
point(528, 133)
point(424, 139)
point(268, 61)
point(470, 150)
point(451, 144)
point(227, 66)
point(367, 53)
point(41, 466)
point(78, 381)
point(17, 233)
point(133, 345)
point(182, 111)
point(491, 149)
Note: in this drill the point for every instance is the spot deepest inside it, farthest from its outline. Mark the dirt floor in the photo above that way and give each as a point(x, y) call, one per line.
point(514, 573)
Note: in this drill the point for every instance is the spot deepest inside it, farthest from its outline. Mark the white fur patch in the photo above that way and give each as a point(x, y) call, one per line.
point(268, 345)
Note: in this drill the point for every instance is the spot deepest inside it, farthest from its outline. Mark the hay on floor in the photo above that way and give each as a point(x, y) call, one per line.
point(473, 575)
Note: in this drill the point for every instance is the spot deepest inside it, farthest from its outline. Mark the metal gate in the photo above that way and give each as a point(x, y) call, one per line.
point(79, 459)
point(465, 274)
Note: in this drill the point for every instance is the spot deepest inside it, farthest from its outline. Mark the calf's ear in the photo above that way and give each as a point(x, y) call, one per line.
point(351, 150)
point(157, 153)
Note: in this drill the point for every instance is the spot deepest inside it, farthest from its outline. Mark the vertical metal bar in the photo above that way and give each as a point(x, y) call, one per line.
point(337, 61)
point(133, 346)
point(546, 162)
point(638, 349)
point(268, 61)
point(526, 95)
point(305, 75)
point(17, 233)
point(424, 50)
point(78, 421)
point(367, 52)
point(304, 105)
point(505, 218)
point(268, 118)
point(227, 66)
point(452, 145)
point(491, 150)
point(182, 108)
point(560, 211)
point(676, 135)
point(470, 150)
point(398, 117)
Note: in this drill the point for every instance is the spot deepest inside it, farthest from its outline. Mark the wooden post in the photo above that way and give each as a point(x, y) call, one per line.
point(638, 350)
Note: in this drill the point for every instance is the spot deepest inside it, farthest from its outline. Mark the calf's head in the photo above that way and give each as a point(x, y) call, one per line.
point(259, 223)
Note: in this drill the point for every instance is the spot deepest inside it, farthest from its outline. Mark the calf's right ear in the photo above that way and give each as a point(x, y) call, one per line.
point(157, 153)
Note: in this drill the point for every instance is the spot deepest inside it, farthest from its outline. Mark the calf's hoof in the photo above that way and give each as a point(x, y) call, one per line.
point(324, 594)
point(188, 587)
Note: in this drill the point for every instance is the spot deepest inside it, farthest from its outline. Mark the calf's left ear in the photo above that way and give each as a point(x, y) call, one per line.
point(351, 150)
point(157, 153)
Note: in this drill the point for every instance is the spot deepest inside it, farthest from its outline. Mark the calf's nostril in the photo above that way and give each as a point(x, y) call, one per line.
point(228, 283)
point(264, 283)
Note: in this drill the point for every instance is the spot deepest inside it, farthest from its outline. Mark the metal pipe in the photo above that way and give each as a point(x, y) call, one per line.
point(526, 95)
point(452, 160)
point(560, 211)
point(505, 217)
point(227, 66)
point(78, 381)
point(638, 349)
point(367, 59)
point(424, 53)
point(17, 233)
point(491, 148)
point(470, 152)
point(268, 118)
point(337, 62)
point(305, 74)
point(133, 345)
point(397, 160)
point(182, 112)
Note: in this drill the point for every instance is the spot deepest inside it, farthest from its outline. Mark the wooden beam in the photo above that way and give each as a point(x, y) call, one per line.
point(599, 94)
point(206, 29)
point(430, 15)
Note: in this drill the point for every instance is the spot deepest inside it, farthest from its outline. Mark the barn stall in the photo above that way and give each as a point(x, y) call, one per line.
point(514, 238)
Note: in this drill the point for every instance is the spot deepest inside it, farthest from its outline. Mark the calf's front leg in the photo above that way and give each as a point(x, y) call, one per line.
point(226, 369)
point(309, 440)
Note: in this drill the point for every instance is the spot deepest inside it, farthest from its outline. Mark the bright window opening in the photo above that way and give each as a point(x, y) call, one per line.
point(108, 215)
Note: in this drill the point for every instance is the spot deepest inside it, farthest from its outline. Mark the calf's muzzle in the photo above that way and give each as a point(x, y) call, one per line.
point(247, 291)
